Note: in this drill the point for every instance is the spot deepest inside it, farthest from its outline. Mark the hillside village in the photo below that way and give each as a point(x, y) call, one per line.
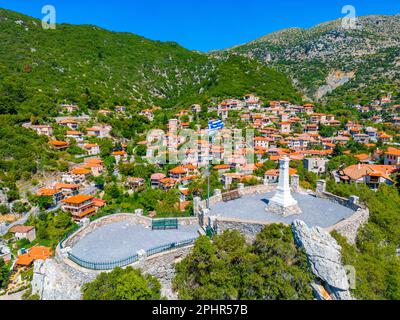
point(107, 173)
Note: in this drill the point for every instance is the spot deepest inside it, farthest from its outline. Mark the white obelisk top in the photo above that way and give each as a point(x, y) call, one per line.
point(284, 183)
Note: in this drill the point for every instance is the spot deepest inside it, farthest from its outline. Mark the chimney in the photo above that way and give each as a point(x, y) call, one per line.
point(359, 166)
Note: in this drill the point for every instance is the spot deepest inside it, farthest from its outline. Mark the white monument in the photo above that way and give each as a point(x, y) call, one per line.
point(283, 202)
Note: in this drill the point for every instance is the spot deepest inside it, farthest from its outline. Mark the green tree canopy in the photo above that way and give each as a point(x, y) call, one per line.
point(123, 284)
point(229, 269)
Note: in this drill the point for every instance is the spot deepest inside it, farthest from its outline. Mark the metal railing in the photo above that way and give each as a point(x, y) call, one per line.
point(170, 246)
point(127, 261)
point(103, 265)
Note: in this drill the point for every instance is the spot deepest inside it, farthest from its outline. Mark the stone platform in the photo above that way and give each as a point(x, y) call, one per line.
point(315, 211)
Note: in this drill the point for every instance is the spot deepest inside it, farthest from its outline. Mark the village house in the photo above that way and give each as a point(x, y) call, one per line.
point(372, 133)
point(272, 176)
point(92, 149)
point(51, 192)
point(95, 165)
point(377, 119)
point(222, 168)
point(33, 254)
point(318, 118)
point(76, 176)
point(67, 189)
point(120, 156)
point(148, 113)
point(392, 157)
point(155, 180)
point(369, 174)
point(96, 168)
point(363, 158)
point(223, 112)
point(384, 138)
point(311, 128)
point(24, 232)
point(72, 124)
point(342, 140)
point(261, 142)
point(80, 206)
point(95, 132)
point(120, 109)
point(168, 183)
point(284, 127)
point(59, 145)
point(386, 99)
point(69, 108)
point(135, 183)
point(104, 112)
point(298, 142)
point(78, 136)
point(196, 108)
point(361, 138)
point(44, 130)
point(315, 165)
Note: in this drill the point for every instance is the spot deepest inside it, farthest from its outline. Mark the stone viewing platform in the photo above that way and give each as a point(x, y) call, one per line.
point(314, 211)
point(250, 212)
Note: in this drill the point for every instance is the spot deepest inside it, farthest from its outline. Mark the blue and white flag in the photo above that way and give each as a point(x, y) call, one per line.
point(216, 125)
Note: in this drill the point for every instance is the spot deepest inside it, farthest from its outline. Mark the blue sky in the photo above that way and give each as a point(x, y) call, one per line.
point(200, 25)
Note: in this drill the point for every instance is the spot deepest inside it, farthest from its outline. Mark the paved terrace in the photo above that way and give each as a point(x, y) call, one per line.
point(316, 211)
point(120, 240)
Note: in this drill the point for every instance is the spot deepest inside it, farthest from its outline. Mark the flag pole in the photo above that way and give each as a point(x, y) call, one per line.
point(208, 167)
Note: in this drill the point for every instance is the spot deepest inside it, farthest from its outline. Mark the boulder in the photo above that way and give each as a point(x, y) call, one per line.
point(324, 257)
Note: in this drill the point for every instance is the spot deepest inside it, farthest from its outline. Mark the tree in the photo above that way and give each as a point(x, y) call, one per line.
point(3, 209)
point(229, 269)
point(283, 266)
point(127, 284)
point(4, 274)
point(374, 255)
point(327, 131)
point(20, 207)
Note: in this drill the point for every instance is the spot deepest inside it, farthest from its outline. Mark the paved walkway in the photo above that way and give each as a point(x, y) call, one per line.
point(316, 211)
point(120, 240)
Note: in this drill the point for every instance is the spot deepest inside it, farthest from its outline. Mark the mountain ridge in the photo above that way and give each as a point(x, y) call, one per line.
point(310, 56)
point(100, 68)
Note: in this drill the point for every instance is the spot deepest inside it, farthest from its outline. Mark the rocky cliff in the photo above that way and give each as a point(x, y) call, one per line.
point(325, 259)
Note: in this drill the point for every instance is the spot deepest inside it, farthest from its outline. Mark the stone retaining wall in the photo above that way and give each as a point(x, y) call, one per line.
point(339, 200)
point(249, 229)
point(162, 266)
point(349, 228)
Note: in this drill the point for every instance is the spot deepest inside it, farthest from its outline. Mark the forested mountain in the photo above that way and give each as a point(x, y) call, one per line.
point(334, 64)
point(95, 67)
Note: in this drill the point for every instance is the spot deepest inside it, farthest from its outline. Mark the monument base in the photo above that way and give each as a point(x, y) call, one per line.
point(283, 211)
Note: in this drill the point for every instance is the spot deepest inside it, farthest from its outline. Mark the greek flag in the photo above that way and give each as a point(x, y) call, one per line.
point(216, 125)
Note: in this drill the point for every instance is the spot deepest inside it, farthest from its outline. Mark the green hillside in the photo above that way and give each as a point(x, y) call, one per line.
point(98, 68)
